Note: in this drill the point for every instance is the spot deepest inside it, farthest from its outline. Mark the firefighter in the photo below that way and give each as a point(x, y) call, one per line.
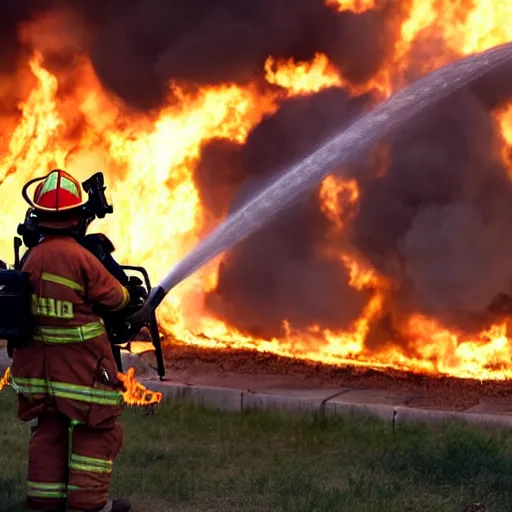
point(65, 375)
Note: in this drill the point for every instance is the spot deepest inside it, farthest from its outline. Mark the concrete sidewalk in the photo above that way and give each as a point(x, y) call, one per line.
point(389, 406)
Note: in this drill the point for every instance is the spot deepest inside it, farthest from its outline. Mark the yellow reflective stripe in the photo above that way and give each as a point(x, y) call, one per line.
point(104, 463)
point(82, 463)
point(68, 185)
point(51, 183)
point(126, 299)
point(30, 386)
point(91, 399)
point(53, 278)
point(46, 490)
point(47, 485)
point(56, 335)
point(88, 469)
point(33, 493)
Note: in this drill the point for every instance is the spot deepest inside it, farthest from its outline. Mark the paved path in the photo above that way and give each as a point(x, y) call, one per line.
point(241, 392)
point(389, 406)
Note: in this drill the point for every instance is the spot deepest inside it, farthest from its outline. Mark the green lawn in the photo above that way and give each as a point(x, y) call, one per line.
point(185, 458)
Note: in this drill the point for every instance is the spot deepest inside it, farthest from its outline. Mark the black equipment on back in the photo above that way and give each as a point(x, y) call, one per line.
point(15, 301)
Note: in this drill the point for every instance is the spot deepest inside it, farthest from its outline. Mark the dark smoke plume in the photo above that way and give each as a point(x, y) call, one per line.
point(219, 174)
point(443, 210)
point(147, 43)
point(437, 222)
point(137, 46)
point(281, 272)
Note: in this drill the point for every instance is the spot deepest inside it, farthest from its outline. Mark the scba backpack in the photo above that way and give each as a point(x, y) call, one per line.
point(15, 317)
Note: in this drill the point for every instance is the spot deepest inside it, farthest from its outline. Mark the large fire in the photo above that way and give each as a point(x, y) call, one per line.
point(149, 162)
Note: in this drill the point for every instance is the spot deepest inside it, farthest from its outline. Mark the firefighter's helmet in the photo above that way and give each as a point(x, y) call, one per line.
point(56, 192)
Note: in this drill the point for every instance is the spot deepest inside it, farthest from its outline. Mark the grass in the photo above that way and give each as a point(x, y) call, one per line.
point(186, 458)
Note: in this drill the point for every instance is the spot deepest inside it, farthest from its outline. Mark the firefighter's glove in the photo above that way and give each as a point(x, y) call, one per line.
point(137, 291)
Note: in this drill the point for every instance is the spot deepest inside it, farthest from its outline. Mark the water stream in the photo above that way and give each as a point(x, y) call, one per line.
point(340, 149)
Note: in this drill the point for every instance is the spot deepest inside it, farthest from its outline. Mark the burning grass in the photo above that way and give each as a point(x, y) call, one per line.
point(187, 458)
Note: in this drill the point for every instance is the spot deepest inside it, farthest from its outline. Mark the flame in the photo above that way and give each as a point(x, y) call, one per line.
point(356, 6)
point(302, 77)
point(505, 120)
point(6, 379)
point(361, 276)
point(464, 28)
point(442, 351)
point(135, 393)
point(149, 161)
point(337, 197)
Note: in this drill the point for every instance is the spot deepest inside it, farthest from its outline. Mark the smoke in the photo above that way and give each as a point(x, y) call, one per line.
point(138, 46)
point(280, 274)
point(219, 174)
point(443, 210)
point(284, 271)
point(359, 44)
point(436, 222)
point(146, 44)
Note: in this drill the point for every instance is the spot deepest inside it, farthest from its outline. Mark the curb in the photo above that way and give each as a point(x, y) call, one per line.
point(238, 400)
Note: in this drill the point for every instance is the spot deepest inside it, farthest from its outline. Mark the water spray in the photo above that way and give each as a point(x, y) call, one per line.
point(338, 151)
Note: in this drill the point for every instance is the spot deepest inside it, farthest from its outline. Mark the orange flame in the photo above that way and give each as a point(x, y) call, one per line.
point(135, 393)
point(505, 120)
point(336, 197)
point(302, 77)
point(356, 6)
point(6, 379)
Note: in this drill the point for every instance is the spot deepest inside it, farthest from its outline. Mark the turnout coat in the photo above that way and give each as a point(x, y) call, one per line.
point(67, 366)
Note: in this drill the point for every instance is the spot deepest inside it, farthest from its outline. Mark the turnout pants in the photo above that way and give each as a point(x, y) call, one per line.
point(70, 463)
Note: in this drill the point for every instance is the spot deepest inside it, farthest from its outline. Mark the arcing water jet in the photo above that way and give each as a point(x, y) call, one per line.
point(339, 150)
